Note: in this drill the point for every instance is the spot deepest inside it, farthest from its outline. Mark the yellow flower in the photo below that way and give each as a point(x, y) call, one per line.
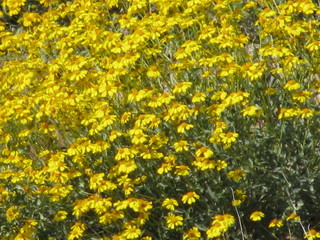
point(226, 219)
point(181, 146)
point(108, 217)
point(132, 232)
point(203, 163)
point(293, 217)
point(31, 222)
point(192, 234)
point(215, 230)
point(190, 197)
point(108, 120)
point(155, 102)
point(186, 49)
point(176, 110)
point(288, 113)
point(165, 168)
point(306, 112)
point(230, 68)
point(198, 97)
point(153, 72)
point(125, 166)
point(228, 138)
point(271, 91)
point(114, 134)
point(165, 98)
point(302, 96)
point(253, 70)
point(12, 213)
point(60, 216)
point(29, 18)
point(183, 127)
point(220, 224)
point(236, 202)
point(252, 111)
point(206, 152)
point(181, 87)
point(236, 175)
point(256, 216)
point(276, 223)
point(125, 117)
point(125, 153)
point(182, 170)
point(291, 85)
point(81, 206)
point(220, 95)
point(137, 96)
point(174, 221)
point(249, 4)
point(14, 6)
point(77, 230)
point(4, 194)
point(220, 164)
point(313, 46)
point(180, 53)
point(312, 234)
point(139, 138)
point(96, 180)
point(170, 203)
point(241, 194)
point(140, 205)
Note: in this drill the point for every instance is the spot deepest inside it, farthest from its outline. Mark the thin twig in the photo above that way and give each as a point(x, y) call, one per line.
point(239, 219)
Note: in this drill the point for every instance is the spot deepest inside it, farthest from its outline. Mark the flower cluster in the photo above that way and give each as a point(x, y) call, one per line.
point(137, 119)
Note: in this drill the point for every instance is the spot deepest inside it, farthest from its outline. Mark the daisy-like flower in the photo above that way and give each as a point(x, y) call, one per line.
point(132, 232)
point(251, 111)
point(165, 168)
point(198, 97)
point(170, 203)
point(206, 152)
point(125, 117)
point(219, 225)
point(153, 72)
point(276, 223)
point(154, 102)
point(192, 234)
point(256, 216)
point(173, 220)
point(220, 164)
point(312, 234)
point(183, 127)
point(229, 137)
point(291, 85)
point(306, 113)
point(288, 113)
point(77, 230)
point(12, 213)
point(181, 87)
point(29, 18)
point(182, 170)
point(114, 134)
point(293, 217)
point(236, 202)
point(271, 91)
point(60, 216)
point(302, 96)
point(181, 145)
point(236, 175)
point(190, 197)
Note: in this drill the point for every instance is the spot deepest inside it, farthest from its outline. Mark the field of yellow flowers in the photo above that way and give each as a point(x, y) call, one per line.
point(159, 119)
